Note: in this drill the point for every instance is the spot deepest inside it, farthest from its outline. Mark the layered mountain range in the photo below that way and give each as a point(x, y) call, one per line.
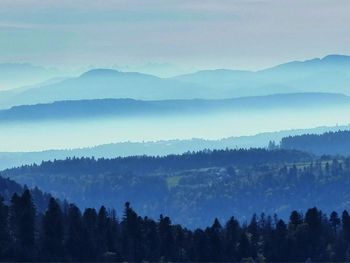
point(329, 74)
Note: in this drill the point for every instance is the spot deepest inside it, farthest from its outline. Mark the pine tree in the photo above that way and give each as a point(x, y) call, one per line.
point(253, 230)
point(75, 237)
point(22, 225)
point(215, 242)
point(166, 238)
point(334, 221)
point(113, 237)
point(15, 213)
point(295, 219)
point(90, 233)
point(27, 221)
point(279, 244)
point(132, 237)
point(102, 230)
point(52, 232)
point(346, 225)
point(243, 247)
point(232, 233)
point(199, 247)
point(152, 245)
point(5, 241)
point(313, 219)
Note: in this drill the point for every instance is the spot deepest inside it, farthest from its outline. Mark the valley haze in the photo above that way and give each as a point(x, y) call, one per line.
point(174, 131)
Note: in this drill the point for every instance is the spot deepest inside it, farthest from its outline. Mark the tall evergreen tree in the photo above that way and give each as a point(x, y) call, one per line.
point(75, 234)
point(244, 250)
point(199, 249)
point(113, 236)
point(253, 229)
point(313, 218)
point(22, 224)
point(5, 241)
point(346, 225)
point(279, 246)
point(132, 237)
point(52, 232)
point(102, 230)
point(295, 219)
point(152, 242)
point(232, 234)
point(335, 222)
point(89, 220)
point(15, 213)
point(166, 238)
point(215, 243)
point(27, 221)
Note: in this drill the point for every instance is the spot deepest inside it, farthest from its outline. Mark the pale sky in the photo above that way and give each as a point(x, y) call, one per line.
point(245, 34)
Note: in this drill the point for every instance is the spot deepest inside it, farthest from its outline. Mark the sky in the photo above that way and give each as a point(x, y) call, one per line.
point(180, 35)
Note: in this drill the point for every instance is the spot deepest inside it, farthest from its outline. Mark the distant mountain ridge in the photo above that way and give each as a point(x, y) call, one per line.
point(101, 84)
point(102, 108)
point(317, 75)
point(329, 61)
point(14, 75)
point(329, 73)
point(158, 148)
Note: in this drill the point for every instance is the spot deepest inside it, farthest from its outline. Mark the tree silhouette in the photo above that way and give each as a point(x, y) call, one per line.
point(75, 240)
point(4, 231)
point(52, 232)
point(64, 234)
point(23, 219)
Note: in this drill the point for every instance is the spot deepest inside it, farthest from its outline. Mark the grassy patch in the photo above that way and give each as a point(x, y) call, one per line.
point(173, 181)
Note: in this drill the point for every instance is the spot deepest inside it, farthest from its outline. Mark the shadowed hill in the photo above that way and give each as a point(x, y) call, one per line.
point(128, 107)
point(316, 75)
point(157, 184)
point(332, 143)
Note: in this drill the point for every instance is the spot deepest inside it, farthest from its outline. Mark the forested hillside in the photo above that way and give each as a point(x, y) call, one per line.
point(67, 234)
point(156, 148)
point(332, 143)
point(193, 188)
point(141, 165)
point(9, 187)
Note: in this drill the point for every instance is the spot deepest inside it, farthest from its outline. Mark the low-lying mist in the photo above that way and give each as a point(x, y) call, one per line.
point(66, 134)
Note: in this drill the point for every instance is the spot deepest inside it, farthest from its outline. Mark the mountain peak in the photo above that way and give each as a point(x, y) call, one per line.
point(100, 72)
point(105, 73)
point(337, 58)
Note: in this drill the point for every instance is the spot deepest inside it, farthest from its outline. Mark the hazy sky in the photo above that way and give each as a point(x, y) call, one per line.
point(247, 34)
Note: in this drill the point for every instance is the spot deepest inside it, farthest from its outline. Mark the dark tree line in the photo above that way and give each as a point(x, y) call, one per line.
point(146, 164)
point(64, 233)
point(331, 143)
